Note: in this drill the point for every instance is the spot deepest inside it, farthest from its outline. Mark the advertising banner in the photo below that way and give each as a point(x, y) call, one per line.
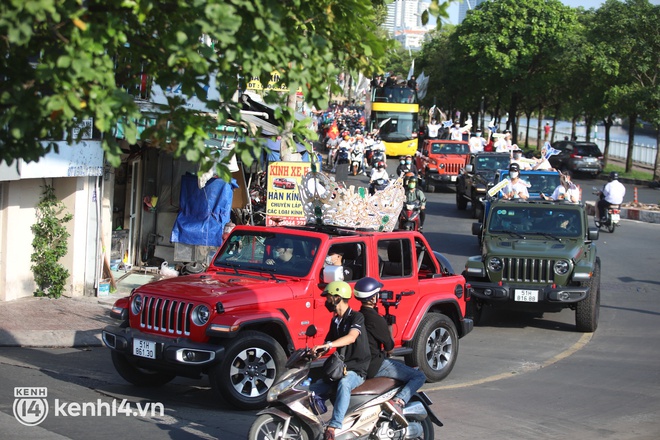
point(283, 205)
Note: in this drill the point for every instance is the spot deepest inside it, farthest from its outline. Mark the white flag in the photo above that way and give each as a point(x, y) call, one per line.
point(411, 72)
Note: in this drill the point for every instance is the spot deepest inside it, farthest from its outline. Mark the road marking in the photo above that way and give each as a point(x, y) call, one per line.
point(526, 367)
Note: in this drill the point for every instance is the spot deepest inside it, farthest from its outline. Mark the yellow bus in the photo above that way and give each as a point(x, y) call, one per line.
point(394, 112)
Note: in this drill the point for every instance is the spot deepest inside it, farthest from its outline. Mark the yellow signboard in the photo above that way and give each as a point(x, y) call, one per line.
point(273, 85)
point(283, 205)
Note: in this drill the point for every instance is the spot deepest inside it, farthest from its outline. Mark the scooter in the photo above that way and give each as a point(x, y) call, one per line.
point(377, 156)
point(295, 412)
point(612, 217)
point(356, 161)
point(342, 157)
point(409, 217)
point(378, 185)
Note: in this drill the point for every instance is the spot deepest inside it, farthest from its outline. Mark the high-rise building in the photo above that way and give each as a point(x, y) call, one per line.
point(404, 22)
point(465, 6)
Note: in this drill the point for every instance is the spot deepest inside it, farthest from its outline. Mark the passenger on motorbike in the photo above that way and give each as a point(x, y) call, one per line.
point(415, 194)
point(346, 330)
point(367, 290)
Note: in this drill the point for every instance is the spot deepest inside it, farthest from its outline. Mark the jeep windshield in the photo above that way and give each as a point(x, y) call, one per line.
point(442, 148)
point(281, 254)
point(491, 163)
point(546, 221)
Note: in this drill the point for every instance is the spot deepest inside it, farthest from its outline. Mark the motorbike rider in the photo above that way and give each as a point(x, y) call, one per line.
point(413, 194)
point(378, 148)
point(378, 172)
point(347, 329)
point(612, 194)
point(367, 290)
point(406, 165)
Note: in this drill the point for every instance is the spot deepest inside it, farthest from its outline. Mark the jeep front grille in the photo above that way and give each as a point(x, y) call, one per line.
point(528, 270)
point(453, 168)
point(166, 315)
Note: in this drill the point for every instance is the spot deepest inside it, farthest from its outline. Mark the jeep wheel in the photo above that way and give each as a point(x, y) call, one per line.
point(252, 363)
point(434, 347)
point(477, 208)
point(461, 202)
point(587, 311)
point(140, 377)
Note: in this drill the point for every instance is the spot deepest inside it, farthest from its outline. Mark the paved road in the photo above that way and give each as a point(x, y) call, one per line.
point(517, 376)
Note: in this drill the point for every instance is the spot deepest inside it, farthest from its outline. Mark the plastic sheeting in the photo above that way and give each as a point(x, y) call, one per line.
point(203, 212)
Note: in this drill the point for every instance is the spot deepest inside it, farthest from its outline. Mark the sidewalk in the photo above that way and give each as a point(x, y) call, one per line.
point(63, 322)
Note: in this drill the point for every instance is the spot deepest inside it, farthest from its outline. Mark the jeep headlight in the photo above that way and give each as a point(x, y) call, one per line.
point(200, 315)
point(495, 264)
point(561, 267)
point(136, 304)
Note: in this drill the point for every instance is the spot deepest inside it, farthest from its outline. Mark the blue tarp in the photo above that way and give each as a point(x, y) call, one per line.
point(204, 212)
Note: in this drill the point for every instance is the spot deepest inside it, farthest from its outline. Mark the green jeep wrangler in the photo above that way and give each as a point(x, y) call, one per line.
point(536, 255)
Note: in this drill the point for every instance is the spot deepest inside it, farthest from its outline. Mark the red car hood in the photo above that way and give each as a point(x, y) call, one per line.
point(211, 287)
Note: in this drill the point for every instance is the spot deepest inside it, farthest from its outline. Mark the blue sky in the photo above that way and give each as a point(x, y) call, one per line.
point(586, 4)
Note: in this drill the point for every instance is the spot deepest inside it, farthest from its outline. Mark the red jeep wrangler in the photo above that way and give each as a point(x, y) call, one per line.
point(440, 161)
point(239, 320)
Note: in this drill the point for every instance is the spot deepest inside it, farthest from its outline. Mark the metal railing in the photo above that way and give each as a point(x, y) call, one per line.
point(644, 154)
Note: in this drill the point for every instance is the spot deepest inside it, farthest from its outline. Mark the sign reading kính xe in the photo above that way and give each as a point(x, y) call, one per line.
point(283, 205)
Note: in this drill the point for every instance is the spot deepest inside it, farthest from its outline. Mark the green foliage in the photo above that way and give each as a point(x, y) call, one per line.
point(49, 245)
point(63, 61)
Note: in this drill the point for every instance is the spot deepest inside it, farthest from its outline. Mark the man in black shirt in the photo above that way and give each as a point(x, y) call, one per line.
point(346, 330)
point(367, 290)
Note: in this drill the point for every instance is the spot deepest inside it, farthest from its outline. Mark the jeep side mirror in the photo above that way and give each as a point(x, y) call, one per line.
point(468, 168)
point(333, 273)
point(477, 228)
point(592, 233)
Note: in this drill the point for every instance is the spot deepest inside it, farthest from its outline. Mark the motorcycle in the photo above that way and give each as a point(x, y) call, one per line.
point(342, 156)
point(356, 161)
point(377, 156)
point(612, 217)
point(378, 185)
point(409, 217)
point(295, 412)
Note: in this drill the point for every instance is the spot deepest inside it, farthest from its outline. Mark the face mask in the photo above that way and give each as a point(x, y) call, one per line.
point(402, 162)
point(277, 254)
point(514, 174)
point(412, 185)
point(328, 260)
point(330, 305)
point(408, 162)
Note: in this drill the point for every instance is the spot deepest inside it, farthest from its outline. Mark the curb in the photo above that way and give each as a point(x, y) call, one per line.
point(51, 338)
point(629, 213)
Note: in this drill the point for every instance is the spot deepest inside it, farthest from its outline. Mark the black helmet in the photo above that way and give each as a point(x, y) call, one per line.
point(614, 175)
point(366, 288)
point(514, 167)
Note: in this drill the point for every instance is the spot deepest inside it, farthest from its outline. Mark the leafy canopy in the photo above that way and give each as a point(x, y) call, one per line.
point(67, 60)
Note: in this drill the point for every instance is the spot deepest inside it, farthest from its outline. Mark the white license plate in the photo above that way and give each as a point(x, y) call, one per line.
point(523, 295)
point(616, 217)
point(453, 178)
point(145, 349)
